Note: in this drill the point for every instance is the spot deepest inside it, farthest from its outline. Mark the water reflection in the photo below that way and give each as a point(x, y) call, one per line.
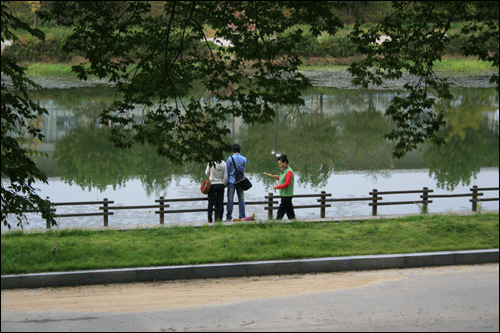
point(86, 157)
point(336, 130)
point(471, 140)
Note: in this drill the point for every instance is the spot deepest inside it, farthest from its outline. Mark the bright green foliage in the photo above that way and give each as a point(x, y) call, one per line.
point(418, 33)
point(18, 115)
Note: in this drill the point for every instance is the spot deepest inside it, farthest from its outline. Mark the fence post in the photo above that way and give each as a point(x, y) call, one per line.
point(425, 200)
point(47, 221)
point(270, 205)
point(105, 210)
point(323, 204)
point(162, 215)
point(374, 207)
point(474, 198)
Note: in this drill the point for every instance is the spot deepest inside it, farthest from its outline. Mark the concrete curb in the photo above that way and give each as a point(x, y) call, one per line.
point(275, 267)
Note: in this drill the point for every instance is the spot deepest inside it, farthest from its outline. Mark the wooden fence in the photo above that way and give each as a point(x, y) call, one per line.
point(323, 202)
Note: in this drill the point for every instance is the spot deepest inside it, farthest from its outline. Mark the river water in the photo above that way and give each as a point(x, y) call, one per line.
point(334, 142)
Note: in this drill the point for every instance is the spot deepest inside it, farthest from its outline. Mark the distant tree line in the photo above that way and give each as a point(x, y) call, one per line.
point(325, 49)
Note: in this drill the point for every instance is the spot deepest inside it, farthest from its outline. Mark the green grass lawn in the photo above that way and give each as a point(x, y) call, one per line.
point(453, 65)
point(458, 65)
point(64, 250)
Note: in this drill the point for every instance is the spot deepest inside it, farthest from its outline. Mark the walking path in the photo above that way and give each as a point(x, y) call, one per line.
point(259, 268)
point(447, 298)
point(326, 219)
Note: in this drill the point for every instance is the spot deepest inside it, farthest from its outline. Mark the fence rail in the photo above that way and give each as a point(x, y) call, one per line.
point(105, 214)
point(270, 204)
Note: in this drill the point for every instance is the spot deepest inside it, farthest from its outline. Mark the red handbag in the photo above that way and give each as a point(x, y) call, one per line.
point(205, 186)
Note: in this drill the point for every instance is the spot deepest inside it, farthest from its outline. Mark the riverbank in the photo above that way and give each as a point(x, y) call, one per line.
point(59, 76)
point(78, 249)
point(448, 65)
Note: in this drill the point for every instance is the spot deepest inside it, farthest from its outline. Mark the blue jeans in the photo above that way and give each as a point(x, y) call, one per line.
point(230, 198)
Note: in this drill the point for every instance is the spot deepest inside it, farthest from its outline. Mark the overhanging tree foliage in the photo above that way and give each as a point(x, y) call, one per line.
point(418, 33)
point(18, 115)
point(155, 59)
point(170, 51)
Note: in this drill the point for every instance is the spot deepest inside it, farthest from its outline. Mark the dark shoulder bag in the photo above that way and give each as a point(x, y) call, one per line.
point(242, 181)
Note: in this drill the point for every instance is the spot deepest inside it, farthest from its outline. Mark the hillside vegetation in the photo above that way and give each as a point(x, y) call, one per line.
point(325, 50)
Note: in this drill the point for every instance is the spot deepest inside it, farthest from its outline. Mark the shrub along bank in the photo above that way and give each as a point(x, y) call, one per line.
point(325, 50)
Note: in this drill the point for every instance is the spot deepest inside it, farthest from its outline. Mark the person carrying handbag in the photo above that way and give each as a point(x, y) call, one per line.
point(218, 181)
point(239, 164)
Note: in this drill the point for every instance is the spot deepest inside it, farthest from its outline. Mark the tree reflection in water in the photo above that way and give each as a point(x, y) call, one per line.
point(336, 130)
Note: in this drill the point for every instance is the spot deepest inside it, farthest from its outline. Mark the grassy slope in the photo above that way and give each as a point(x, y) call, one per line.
point(458, 65)
point(83, 249)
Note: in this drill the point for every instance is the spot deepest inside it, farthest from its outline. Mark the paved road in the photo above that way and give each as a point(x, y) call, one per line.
point(451, 298)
